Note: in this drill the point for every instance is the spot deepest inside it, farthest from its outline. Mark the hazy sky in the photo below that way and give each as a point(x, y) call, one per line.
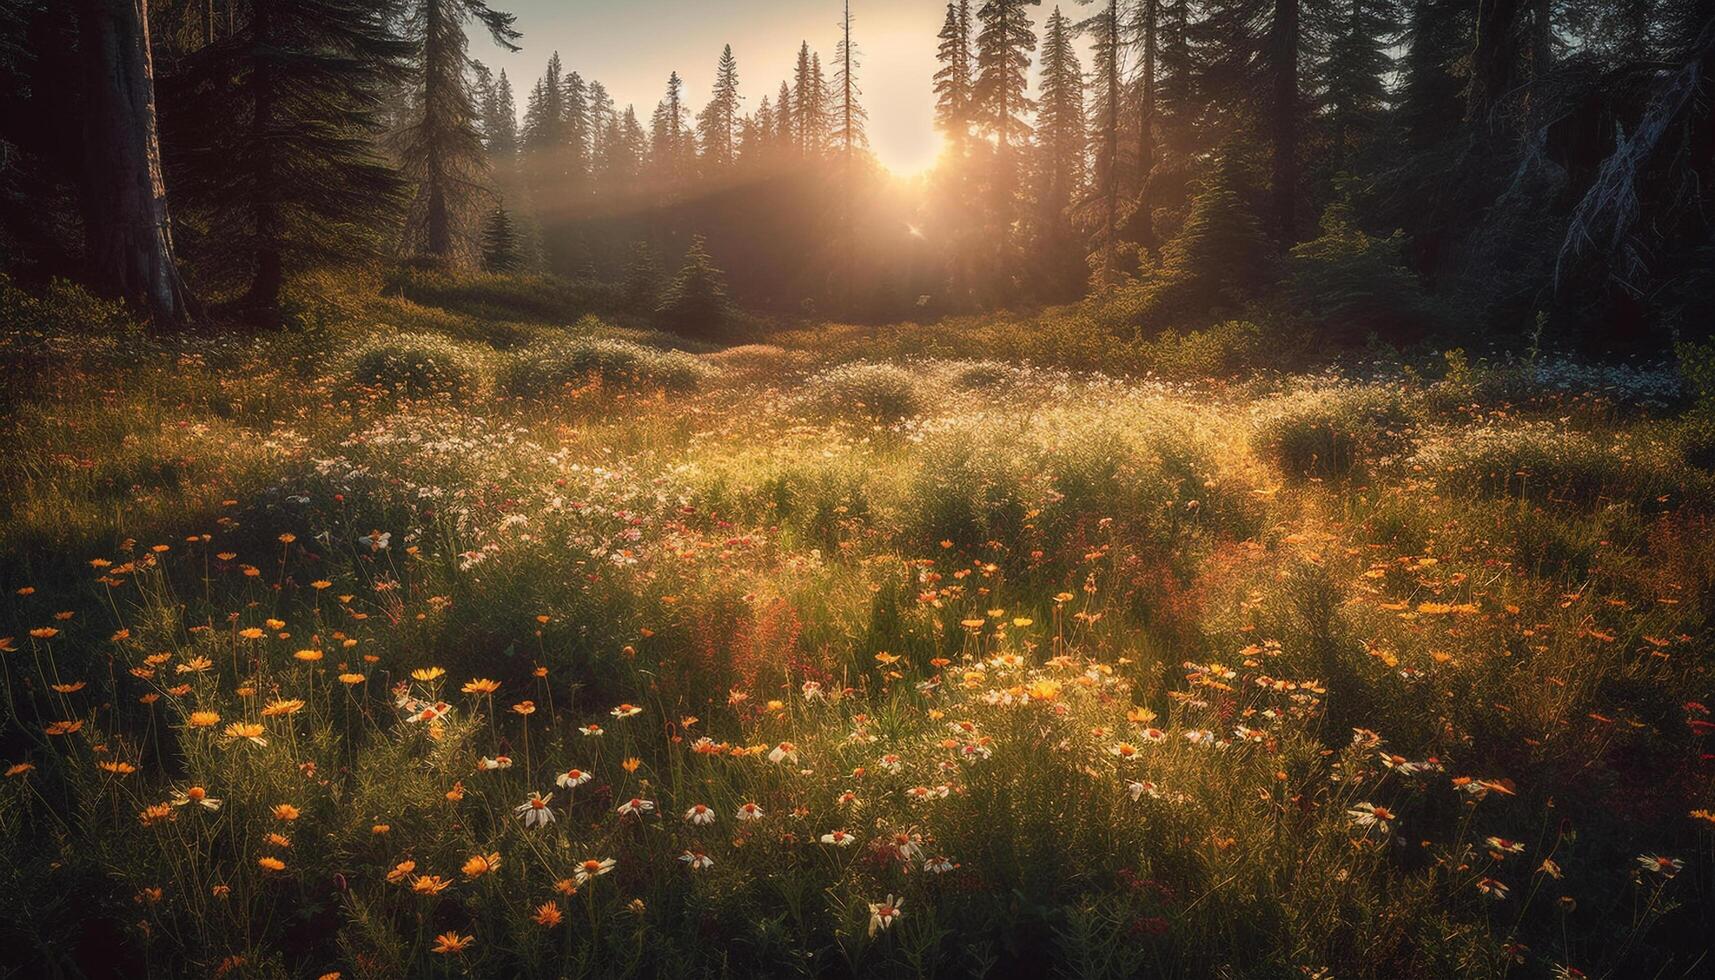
point(631, 45)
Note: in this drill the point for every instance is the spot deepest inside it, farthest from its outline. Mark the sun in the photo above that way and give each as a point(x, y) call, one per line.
point(911, 162)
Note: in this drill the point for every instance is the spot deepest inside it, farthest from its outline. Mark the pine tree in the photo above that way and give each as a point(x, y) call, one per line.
point(669, 146)
point(1176, 79)
point(577, 133)
point(276, 129)
point(1005, 41)
point(1145, 31)
point(500, 120)
point(1220, 257)
point(696, 301)
point(1060, 163)
point(717, 124)
point(1429, 106)
point(1286, 109)
point(442, 151)
point(1355, 76)
point(785, 121)
point(849, 134)
point(642, 278)
point(499, 243)
point(809, 104)
point(953, 80)
point(1104, 139)
point(1060, 121)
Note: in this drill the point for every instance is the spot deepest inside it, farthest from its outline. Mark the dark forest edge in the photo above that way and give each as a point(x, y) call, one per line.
point(1335, 172)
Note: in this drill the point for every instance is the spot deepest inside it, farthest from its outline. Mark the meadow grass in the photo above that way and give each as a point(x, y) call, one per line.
point(438, 643)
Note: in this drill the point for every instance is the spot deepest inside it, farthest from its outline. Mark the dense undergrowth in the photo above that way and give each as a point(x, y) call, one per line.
point(438, 638)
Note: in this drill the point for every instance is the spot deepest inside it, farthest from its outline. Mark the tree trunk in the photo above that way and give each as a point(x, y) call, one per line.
point(1284, 47)
point(127, 230)
point(1143, 221)
point(270, 275)
point(1495, 60)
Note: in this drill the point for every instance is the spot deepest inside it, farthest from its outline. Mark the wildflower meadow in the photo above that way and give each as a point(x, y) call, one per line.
point(345, 656)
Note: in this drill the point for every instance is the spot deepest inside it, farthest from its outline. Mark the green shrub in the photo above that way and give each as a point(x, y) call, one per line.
point(491, 296)
point(418, 365)
point(1545, 463)
point(1354, 283)
point(63, 307)
point(1222, 350)
point(877, 392)
point(551, 367)
point(1331, 430)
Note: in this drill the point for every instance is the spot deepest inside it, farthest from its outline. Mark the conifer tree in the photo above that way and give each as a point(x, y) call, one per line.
point(695, 303)
point(1060, 160)
point(669, 144)
point(1355, 75)
point(809, 104)
point(500, 120)
point(717, 124)
point(1060, 132)
point(642, 278)
point(954, 79)
point(1145, 31)
point(1221, 256)
point(276, 130)
point(442, 150)
point(577, 133)
point(1104, 139)
point(848, 133)
point(785, 121)
point(1005, 42)
point(499, 243)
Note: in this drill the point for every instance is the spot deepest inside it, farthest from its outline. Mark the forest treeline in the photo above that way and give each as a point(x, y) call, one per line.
point(1377, 167)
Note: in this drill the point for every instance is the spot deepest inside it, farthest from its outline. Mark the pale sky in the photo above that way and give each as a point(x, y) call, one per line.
point(631, 45)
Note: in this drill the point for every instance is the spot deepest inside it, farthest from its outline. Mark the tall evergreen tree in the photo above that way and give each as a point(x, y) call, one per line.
point(1145, 31)
point(954, 79)
point(717, 124)
point(499, 243)
point(849, 134)
point(1060, 156)
point(500, 120)
point(1355, 75)
point(1060, 135)
point(1104, 137)
point(276, 129)
point(785, 120)
point(442, 150)
point(809, 103)
point(669, 146)
point(1005, 41)
point(577, 133)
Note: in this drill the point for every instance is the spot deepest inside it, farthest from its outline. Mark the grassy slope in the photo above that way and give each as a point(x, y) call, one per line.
point(1138, 660)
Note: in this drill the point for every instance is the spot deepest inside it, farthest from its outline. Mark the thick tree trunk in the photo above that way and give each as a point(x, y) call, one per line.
point(1495, 60)
point(1284, 43)
point(126, 227)
point(263, 299)
point(1143, 221)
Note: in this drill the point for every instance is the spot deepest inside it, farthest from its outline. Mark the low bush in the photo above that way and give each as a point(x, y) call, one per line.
point(1330, 431)
point(418, 365)
point(876, 392)
point(552, 367)
point(1546, 463)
